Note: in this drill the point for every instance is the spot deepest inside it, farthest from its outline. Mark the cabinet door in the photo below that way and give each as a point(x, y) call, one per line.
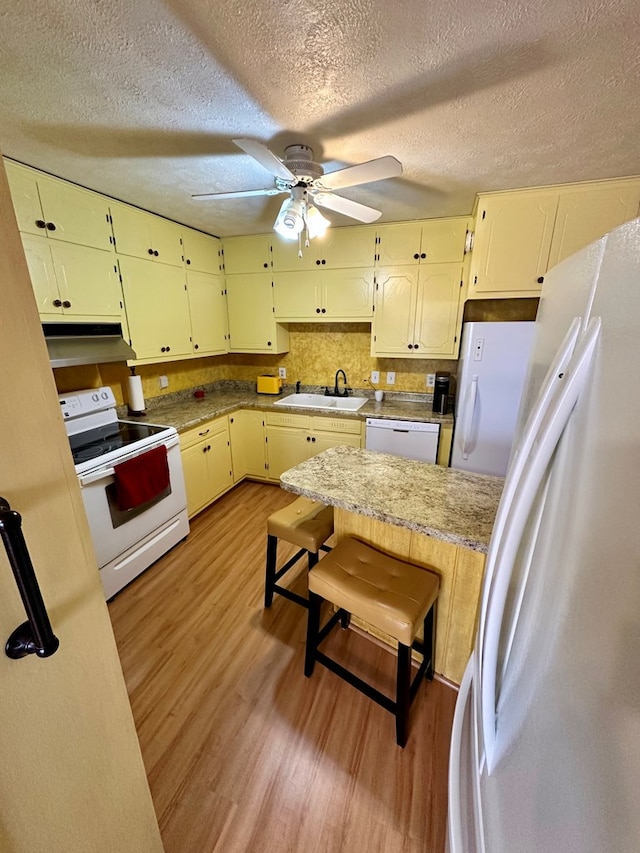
point(512, 242)
point(346, 247)
point(166, 240)
point(284, 254)
point(244, 255)
point(285, 448)
point(252, 327)
point(398, 244)
point(88, 282)
point(347, 294)
point(219, 464)
point(79, 216)
point(297, 295)
point(196, 477)
point(201, 252)
point(248, 448)
point(437, 308)
point(443, 240)
point(324, 440)
point(25, 198)
point(587, 214)
point(394, 315)
point(208, 310)
point(157, 309)
point(131, 231)
point(43, 276)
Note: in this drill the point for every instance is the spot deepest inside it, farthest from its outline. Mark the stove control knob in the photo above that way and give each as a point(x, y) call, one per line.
point(95, 398)
point(104, 395)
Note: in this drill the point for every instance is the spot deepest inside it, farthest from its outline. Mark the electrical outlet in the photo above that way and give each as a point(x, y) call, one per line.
point(431, 380)
point(375, 376)
point(164, 381)
point(282, 372)
point(391, 377)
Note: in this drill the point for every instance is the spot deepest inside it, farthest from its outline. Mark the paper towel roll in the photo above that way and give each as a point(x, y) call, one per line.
point(136, 397)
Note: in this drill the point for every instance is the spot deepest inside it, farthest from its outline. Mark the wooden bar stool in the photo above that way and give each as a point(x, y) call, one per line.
point(390, 595)
point(305, 523)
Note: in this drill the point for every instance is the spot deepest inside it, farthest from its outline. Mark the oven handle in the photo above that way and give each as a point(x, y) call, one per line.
point(35, 636)
point(103, 473)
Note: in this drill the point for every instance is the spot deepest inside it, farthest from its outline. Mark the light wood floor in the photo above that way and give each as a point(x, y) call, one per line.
point(243, 753)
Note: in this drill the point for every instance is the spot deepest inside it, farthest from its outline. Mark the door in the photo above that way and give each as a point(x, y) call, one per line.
point(73, 778)
point(394, 316)
point(208, 310)
point(439, 287)
point(250, 310)
point(297, 295)
point(347, 294)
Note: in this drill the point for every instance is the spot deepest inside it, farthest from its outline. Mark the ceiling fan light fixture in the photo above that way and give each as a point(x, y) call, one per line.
point(317, 224)
point(290, 220)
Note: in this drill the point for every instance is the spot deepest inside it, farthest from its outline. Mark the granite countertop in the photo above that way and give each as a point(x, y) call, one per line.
point(183, 411)
point(454, 506)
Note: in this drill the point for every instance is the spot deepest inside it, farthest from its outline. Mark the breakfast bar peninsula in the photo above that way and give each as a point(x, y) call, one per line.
point(429, 515)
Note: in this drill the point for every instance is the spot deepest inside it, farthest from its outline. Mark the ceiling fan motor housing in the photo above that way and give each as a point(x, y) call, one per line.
point(299, 160)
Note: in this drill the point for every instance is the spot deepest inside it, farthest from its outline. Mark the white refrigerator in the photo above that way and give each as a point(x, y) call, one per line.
point(545, 750)
point(491, 373)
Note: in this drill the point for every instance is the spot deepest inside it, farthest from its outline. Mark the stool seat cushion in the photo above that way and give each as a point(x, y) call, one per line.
point(385, 592)
point(305, 523)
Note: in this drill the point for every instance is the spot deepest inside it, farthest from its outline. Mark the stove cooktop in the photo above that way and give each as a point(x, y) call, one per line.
point(101, 440)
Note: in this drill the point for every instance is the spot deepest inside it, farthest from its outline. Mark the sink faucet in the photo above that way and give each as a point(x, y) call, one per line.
point(336, 390)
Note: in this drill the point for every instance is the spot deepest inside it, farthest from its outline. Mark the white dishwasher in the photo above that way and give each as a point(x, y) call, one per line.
point(413, 439)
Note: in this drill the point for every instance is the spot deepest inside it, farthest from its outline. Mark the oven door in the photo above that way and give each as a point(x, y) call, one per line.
point(114, 531)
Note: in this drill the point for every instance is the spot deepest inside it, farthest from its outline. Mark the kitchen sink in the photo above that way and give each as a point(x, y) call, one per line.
point(320, 401)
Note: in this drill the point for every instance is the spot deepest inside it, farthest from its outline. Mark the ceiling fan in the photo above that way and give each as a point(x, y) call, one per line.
point(309, 188)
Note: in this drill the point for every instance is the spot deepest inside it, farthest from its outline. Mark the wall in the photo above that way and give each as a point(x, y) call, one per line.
point(316, 353)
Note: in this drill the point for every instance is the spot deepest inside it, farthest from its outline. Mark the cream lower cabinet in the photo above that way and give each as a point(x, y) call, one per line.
point(248, 444)
point(73, 282)
point(157, 308)
point(208, 312)
point(206, 462)
point(292, 438)
point(252, 324)
point(344, 295)
point(417, 311)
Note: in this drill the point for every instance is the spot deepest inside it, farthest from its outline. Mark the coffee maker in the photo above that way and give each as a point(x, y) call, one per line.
point(441, 393)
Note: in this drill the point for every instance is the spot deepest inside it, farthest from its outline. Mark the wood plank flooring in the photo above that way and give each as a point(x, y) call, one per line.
point(243, 753)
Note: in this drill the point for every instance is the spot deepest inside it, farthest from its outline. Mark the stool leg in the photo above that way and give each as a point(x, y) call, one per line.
point(403, 693)
point(270, 572)
point(313, 558)
point(430, 641)
point(313, 629)
point(345, 619)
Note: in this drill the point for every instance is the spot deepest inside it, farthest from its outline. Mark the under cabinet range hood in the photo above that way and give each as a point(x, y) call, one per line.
point(85, 343)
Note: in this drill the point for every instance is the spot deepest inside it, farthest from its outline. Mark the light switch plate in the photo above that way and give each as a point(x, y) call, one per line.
point(431, 380)
point(164, 381)
point(375, 376)
point(391, 377)
point(282, 372)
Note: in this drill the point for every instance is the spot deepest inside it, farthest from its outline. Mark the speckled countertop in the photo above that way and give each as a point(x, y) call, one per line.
point(183, 411)
point(451, 505)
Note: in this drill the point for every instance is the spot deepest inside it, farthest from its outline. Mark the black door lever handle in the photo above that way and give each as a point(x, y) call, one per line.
point(35, 636)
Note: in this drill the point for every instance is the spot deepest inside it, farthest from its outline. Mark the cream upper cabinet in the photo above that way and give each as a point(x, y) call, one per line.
point(512, 242)
point(252, 324)
point(589, 212)
point(75, 282)
point(208, 312)
point(248, 447)
point(434, 241)
point(244, 255)
point(344, 295)
point(58, 210)
point(143, 235)
point(157, 308)
point(339, 248)
point(202, 252)
point(417, 311)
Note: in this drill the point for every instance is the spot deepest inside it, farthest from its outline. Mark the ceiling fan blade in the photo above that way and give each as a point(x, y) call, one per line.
point(266, 158)
point(364, 173)
point(347, 207)
point(237, 194)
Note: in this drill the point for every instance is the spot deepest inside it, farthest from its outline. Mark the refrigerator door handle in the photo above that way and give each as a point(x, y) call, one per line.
point(521, 453)
point(550, 430)
point(467, 424)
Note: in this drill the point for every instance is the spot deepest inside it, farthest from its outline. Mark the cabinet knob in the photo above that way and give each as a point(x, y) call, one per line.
point(40, 223)
point(410, 346)
point(57, 303)
point(423, 255)
point(317, 310)
point(196, 346)
point(323, 263)
point(156, 253)
point(540, 279)
point(168, 349)
point(416, 256)
point(66, 304)
point(266, 266)
point(150, 251)
point(415, 346)
point(324, 310)
point(268, 343)
point(163, 349)
point(313, 438)
point(51, 226)
point(188, 261)
point(318, 262)
point(308, 438)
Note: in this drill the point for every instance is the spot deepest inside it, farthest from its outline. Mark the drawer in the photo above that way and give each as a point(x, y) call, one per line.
point(342, 425)
point(287, 419)
point(207, 429)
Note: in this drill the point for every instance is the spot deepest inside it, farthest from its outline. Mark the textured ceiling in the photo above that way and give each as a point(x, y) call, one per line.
point(141, 100)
